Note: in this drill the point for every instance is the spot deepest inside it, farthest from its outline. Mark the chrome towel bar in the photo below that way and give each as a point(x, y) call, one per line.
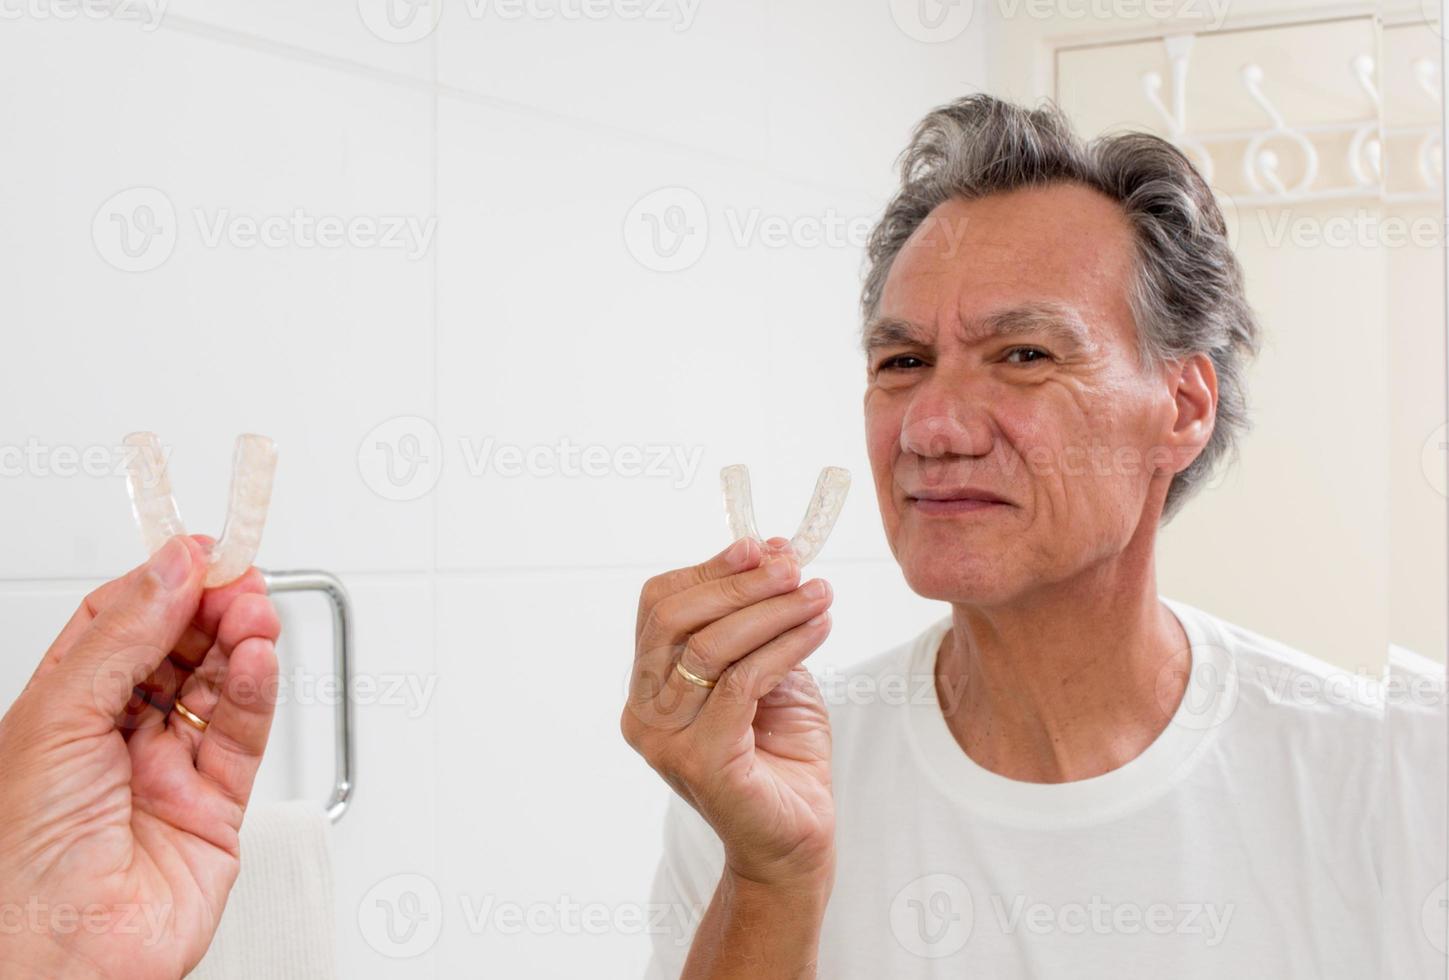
point(343, 736)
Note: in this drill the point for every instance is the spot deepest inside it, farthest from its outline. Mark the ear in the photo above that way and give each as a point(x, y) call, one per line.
point(1194, 388)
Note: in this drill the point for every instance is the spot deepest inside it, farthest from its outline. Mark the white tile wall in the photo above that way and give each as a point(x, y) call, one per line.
point(684, 71)
point(358, 33)
point(847, 83)
point(557, 157)
point(556, 807)
point(312, 346)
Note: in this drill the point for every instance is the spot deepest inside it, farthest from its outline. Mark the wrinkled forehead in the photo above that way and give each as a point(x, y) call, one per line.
point(1064, 249)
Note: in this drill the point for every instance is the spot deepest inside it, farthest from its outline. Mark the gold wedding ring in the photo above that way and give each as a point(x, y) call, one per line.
point(691, 677)
point(189, 716)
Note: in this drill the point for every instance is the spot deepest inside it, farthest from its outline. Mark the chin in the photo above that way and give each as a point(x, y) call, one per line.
point(970, 579)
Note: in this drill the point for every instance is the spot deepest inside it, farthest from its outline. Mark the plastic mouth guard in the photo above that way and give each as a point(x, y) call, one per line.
point(820, 517)
point(252, 467)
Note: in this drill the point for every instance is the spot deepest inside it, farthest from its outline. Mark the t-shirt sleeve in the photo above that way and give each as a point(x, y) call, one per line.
point(1411, 848)
point(685, 879)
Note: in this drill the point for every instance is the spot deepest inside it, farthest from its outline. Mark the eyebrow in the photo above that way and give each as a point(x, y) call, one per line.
point(1055, 320)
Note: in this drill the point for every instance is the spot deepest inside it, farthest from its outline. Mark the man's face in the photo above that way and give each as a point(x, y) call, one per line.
point(1003, 358)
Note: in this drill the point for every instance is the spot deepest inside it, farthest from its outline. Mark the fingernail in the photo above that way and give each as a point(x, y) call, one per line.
point(172, 564)
point(815, 589)
point(779, 554)
point(736, 552)
point(779, 568)
point(817, 620)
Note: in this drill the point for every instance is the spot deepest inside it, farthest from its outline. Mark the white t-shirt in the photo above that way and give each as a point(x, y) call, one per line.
point(1248, 840)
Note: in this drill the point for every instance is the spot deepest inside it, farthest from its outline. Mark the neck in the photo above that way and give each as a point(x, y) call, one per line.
point(1068, 681)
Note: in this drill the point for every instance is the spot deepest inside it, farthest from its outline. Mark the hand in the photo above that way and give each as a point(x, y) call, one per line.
point(751, 754)
point(119, 822)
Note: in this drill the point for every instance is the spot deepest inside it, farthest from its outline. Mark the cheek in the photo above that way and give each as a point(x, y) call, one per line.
point(882, 433)
point(882, 444)
point(1075, 452)
point(1037, 431)
point(1055, 439)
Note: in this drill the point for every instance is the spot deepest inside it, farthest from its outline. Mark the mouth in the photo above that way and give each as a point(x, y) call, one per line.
point(966, 500)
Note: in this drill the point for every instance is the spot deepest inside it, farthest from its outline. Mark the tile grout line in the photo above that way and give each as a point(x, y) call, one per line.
point(553, 116)
point(437, 89)
point(431, 575)
point(435, 519)
point(295, 52)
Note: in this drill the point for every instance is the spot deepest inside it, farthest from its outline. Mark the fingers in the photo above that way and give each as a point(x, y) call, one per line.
point(670, 617)
point(99, 599)
point(130, 636)
point(249, 616)
point(730, 709)
point(709, 652)
point(743, 554)
point(160, 688)
point(232, 746)
point(80, 621)
point(656, 688)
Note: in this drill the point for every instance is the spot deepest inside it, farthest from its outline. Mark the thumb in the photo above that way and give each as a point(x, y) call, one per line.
point(141, 626)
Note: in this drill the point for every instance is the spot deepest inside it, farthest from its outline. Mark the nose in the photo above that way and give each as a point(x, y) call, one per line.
point(941, 422)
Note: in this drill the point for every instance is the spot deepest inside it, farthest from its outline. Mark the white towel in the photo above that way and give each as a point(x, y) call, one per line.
point(278, 922)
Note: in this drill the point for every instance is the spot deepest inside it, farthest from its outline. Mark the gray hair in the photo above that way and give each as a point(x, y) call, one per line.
point(1187, 294)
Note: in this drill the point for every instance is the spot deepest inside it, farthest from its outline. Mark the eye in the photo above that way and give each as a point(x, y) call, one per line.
point(900, 362)
point(1027, 350)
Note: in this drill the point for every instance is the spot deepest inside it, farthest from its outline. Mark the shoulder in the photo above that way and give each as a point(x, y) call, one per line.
point(1289, 717)
point(1287, 685)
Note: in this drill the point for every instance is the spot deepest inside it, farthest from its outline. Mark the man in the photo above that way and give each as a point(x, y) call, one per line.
point(1101, 781)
